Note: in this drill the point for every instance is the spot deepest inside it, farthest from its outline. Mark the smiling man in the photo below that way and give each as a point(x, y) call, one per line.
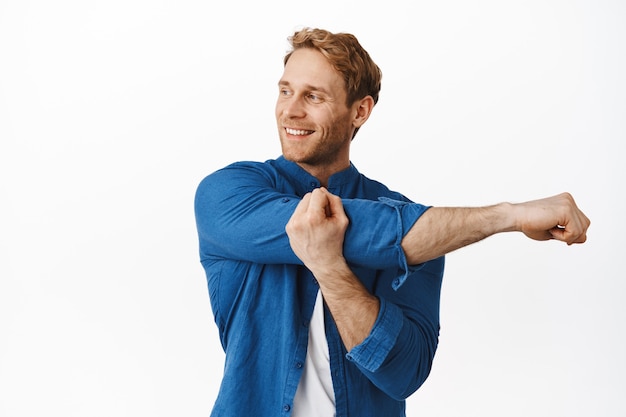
point(325, 284)
point(315, 123)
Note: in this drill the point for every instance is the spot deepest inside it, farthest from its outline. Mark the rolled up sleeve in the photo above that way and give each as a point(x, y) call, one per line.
point(398, 353)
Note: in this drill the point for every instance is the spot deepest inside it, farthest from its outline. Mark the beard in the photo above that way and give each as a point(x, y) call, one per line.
point(313, 150)
point(323, 147)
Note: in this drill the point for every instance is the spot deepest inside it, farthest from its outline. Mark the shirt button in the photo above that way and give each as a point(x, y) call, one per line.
point(285, 200)
point(396, 282)
point(298, 365)
point(286, 407)
point(313, 184)
point(305, 323)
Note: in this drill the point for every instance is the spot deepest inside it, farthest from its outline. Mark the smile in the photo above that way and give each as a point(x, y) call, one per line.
point(297, 132)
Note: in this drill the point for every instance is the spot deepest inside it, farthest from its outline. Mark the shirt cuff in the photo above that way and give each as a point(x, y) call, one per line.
point(372, 352)
point(408, 214)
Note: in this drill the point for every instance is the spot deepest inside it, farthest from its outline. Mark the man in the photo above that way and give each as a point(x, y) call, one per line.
point(325, 284)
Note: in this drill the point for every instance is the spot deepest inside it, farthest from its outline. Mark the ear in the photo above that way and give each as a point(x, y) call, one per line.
point(363, 109)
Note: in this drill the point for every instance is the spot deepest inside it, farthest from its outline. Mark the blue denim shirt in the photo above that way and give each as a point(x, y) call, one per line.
point(262, 296)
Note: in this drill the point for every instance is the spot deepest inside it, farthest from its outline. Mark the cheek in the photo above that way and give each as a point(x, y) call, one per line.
point(341, 122)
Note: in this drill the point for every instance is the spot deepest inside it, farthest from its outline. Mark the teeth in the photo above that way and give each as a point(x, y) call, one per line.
point(297, 132)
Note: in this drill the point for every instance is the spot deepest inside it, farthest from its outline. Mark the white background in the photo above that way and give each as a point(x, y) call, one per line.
point(111, 112)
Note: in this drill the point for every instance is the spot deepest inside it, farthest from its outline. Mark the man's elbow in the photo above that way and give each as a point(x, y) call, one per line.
point(409, 382)
point(401, 381)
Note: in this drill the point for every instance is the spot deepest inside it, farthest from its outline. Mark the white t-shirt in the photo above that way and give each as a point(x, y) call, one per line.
point(315, 396)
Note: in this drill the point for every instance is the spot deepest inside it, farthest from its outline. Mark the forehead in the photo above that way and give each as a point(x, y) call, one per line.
point(308, 67)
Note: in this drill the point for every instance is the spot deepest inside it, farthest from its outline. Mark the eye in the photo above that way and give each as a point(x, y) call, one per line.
point(314, 98)
point(284, 92)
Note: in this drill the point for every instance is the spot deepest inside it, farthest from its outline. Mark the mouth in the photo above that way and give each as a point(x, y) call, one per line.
point(298, 132)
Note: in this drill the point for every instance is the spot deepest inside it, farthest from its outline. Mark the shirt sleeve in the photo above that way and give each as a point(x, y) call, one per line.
point(379, 228)
point(240, 215)
point(397, 355)
point(242, 210)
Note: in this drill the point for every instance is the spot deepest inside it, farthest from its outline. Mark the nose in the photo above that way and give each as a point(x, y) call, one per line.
point(293, 107)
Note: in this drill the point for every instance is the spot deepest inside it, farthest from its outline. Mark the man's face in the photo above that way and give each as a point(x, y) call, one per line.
point(314, 124)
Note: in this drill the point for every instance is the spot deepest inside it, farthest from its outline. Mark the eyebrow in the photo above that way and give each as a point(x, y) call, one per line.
point(307, 87)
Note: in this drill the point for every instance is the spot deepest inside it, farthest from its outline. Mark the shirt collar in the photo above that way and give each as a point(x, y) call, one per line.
point(349, 175)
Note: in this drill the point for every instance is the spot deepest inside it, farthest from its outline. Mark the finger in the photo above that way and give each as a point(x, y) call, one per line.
point(303, 205)
point(558, 233)
point(578, 235)
point(336, 205)
point(572, 233)
point(580, 239)
point(575, 229)
point(295, 221)
point(319, 202)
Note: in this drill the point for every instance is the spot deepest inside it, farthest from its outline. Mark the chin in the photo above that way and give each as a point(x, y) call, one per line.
point(292, 154)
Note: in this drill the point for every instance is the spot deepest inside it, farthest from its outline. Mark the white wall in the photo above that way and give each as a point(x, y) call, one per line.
point(112, 111)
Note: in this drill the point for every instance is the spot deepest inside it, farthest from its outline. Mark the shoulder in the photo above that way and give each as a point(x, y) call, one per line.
point(377, 189)
point(240, 173)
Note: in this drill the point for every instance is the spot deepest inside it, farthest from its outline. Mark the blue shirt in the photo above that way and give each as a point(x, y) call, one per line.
point(262, 296)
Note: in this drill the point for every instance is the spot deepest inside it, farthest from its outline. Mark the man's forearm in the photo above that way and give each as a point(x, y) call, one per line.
point(316, 232)
point(353, 308)
point(441, 230)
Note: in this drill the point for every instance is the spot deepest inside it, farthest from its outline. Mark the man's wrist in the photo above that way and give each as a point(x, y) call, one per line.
point(505, 218)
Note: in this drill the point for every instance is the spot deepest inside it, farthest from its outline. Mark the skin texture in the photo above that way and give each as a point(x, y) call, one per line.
point(312, 102)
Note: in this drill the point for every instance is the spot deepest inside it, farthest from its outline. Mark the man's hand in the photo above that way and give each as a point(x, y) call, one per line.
point(555, 217)
point(316, 233)
point(317, 228)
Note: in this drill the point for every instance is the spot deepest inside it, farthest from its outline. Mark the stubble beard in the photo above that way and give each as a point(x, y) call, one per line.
point(315, 154)
point(316, 151)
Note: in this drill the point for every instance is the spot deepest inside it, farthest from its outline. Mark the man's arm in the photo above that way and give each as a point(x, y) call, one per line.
point(391, 339)
point(441, 230)
point(316, 233)
point(317, 227)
